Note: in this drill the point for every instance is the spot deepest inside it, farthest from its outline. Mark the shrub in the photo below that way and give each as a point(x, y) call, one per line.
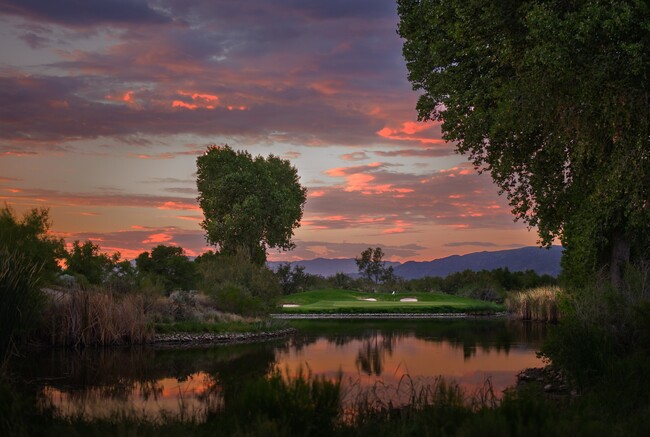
point(239, 286)
point(605, 333)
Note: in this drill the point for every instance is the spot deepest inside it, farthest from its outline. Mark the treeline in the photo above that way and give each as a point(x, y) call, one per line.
point(490, 285)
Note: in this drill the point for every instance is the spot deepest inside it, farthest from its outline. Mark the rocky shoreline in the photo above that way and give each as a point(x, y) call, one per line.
point(554, 382)
point(191, 338)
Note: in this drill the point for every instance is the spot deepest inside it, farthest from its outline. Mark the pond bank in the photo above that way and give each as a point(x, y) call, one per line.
point(185, 338)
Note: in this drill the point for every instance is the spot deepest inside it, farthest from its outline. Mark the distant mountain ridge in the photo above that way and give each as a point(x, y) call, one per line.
point(543, 261)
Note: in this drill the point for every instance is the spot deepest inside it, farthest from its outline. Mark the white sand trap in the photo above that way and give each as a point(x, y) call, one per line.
point(408, 299)
point(370, 299)
point(290, 305)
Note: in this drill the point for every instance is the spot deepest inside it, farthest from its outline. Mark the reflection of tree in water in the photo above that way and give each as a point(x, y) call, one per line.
point(118, 374)
point(469, 335)
point(372, 353)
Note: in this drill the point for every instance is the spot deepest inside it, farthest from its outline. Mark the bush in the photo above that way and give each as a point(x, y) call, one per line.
point(239, 286)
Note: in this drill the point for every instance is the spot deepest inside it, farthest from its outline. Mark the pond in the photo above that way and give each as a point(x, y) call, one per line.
point(390, 358)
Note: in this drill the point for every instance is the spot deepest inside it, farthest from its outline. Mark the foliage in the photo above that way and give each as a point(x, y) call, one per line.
point(123, 277)
point(485, 284)
point(372, 266)
point(239, 286)
point(294, 280)
point(168, 265)
point(604, 336)
point(85, 261)
point(31, 238)
point(20, 298)
point(560, 125)
point(249, 203)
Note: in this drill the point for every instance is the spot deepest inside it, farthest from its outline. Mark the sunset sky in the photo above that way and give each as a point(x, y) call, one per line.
point(106, 104)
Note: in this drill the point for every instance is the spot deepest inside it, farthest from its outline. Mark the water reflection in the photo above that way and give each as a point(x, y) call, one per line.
point(189, 382)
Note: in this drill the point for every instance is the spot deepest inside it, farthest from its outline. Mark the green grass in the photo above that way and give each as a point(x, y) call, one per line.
point(330, 301)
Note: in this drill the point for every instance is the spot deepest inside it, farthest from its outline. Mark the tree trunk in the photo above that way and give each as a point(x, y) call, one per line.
point(619, 257)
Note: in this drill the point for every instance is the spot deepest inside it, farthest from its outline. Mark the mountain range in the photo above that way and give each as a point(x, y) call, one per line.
point(541, 260)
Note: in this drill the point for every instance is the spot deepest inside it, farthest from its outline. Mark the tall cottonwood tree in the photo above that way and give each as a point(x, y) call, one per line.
point(552, 98)
point(249, 203)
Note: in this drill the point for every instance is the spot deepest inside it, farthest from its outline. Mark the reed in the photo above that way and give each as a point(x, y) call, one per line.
point(539, 304)
point(81, 318)
point(19, 298)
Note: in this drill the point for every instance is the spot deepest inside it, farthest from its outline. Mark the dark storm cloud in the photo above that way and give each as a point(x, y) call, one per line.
point(84, 12)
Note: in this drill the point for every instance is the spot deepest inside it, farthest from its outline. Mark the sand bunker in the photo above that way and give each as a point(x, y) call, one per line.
point(408, 299)
point(290, 305)
point(370, 299)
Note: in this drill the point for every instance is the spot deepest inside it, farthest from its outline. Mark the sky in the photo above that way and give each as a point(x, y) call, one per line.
point(105, 105)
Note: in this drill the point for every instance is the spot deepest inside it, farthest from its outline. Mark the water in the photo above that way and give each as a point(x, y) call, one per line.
point(389, 358)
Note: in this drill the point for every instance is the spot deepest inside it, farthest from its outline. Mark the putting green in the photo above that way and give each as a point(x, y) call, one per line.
point(347, 301)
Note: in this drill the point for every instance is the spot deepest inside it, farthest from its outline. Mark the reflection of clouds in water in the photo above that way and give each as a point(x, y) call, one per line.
point(192, 396)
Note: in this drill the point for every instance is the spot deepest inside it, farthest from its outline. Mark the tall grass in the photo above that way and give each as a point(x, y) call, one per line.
point(81, 318)
point(19, 298)
point(539, 304)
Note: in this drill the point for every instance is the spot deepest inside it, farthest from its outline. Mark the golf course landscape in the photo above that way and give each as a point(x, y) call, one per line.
point(331, 301)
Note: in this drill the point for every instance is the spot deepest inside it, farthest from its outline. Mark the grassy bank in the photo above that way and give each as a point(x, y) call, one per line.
point(330, 301)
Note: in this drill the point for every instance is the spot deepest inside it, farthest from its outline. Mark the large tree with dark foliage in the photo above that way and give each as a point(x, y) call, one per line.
point(552, 98)
point(249, 204)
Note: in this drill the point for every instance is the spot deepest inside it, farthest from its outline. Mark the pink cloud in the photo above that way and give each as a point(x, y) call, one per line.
point(158, 238)
point(176, 205)
point(407, 131)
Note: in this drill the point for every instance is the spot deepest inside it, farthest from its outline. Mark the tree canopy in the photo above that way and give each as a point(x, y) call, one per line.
point(169, 265)
point(248, 203)
point(87, 261)
point(31, 238)
point(552, 98)
point(372, 266)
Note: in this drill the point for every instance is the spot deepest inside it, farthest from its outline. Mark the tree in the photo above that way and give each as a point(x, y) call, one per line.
point(32, 240)
point(249, 203)
point(293, 279)
point(372, 266)
point(169, 265)
point(552, 98)
point(87, 261)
